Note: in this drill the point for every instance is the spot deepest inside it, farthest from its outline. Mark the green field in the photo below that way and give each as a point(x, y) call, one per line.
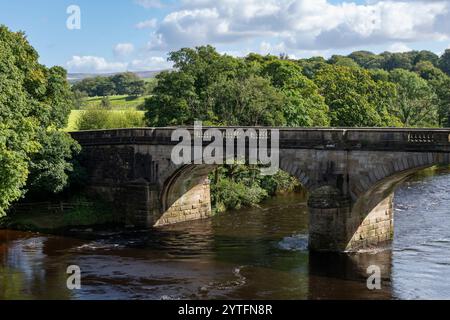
point(75, 115)
point(117, 102)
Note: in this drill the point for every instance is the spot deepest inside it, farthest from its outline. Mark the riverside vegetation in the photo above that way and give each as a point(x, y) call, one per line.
point(38, 159)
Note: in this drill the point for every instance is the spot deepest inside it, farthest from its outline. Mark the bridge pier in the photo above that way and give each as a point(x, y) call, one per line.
point(140, 203)
point(337, 224)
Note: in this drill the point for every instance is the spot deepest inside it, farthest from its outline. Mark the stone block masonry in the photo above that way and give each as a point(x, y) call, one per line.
point(351, 176)
point(193, 205)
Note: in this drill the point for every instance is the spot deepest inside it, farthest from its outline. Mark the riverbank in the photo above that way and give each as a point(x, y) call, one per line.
point(57, 218)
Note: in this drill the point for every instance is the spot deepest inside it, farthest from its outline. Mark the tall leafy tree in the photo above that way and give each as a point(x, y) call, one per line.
point(304, 106)
point(440, 83)
point(444, 62)
point(34, 106)
point(354, 98)
point(367, 59)
point(343, 61)
point(215, 88)
point(426, 56)
point(416, 103)
point(397, 61)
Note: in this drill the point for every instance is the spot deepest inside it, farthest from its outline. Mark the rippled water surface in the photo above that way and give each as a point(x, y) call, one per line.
point(254, 253)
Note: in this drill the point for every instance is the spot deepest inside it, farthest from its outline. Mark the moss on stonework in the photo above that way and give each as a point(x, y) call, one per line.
point(327, 197)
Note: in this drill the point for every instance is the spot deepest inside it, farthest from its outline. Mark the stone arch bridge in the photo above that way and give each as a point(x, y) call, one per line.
point(351, 175)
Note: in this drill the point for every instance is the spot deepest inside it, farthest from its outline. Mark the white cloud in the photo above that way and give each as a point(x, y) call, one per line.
point(92, 64)
point(302, 24)
point(399, 47)
point(152, 23)
point(149, 64)
point(268, 48)
point(123, 49)
point(150, 3)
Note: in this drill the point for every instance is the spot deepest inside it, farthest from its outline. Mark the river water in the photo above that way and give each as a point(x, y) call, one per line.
point(258, 253)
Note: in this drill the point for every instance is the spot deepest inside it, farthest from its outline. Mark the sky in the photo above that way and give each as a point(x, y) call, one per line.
point(136, 35)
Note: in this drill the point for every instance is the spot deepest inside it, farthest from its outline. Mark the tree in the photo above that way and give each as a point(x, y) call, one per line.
point(311, 66)
point(397, 61)
point(104, 87)
point(304, 106)
point(79, 98)
point(174, 100)
point(343, 61)
point(379, 75)
point(214, 88)
point(426, 56)
point(426, 70)
point(150, 86)
point(354, 98)
point(34, 106)
point(442, 89)
point(247, 101)
point(367, 59)
point(416, 101)
point(444, 62)
point(440, 83)
point(136, 88)
point(127, 83)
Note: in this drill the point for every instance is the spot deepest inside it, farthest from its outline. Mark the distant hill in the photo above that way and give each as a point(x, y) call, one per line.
point(74, 77)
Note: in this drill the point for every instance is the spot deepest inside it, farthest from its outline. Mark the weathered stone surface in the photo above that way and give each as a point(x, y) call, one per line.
point(351, 175)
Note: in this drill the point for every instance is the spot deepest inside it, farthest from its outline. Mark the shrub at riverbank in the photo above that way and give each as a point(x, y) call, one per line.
point(79, 212)
point(233, 187)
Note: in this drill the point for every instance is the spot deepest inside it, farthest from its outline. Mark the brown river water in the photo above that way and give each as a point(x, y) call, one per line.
point(258, 253)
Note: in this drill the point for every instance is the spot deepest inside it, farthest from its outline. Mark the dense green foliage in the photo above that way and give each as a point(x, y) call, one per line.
point(236, 186)
point(34, 105)
point(355, 98)
point(223, 90)
point(360, 90)
point(120, 84)
point(416, 102)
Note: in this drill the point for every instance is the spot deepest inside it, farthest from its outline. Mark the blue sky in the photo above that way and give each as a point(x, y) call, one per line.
point(136, 35)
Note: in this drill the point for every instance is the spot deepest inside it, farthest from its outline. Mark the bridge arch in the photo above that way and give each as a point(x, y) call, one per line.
point(296, 168)
point(185, 195)
point(366, 217)
point(405, 164)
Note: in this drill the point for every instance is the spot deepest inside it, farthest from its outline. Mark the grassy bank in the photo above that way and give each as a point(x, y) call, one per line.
point(82, 213)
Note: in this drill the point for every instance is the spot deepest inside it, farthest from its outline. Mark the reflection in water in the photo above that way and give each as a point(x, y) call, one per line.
point(254, 253)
